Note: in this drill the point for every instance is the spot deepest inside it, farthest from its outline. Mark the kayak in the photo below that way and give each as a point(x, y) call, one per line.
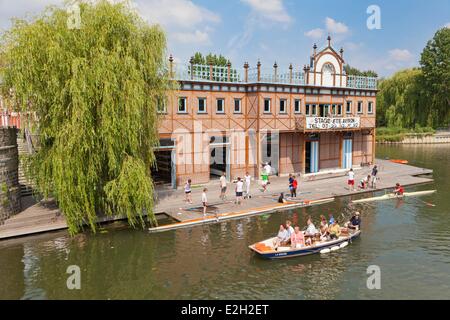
point(265, 249)
point(390, 196)
point(399, 161)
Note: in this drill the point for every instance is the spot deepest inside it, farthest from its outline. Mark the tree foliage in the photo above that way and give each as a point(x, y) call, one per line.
point(215, 60)
point(94, 91)
point(419, 97)
point(356, 72)
point(435, 63)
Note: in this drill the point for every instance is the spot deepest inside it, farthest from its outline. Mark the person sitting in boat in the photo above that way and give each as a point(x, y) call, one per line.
point(355, 222)
point(289, 228)
point(323, 228)
point(331, 219)
point(334, 230)
point(311, 231)
point(282, 237)
point(399, 190)
point(297, 238)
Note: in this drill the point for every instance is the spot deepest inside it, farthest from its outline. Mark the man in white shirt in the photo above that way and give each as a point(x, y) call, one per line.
point(223, 186)
point(248, 180)
point(351, 180)
point(239, 190)
point(268, 170)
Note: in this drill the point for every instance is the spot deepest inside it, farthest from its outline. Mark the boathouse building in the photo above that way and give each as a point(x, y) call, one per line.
point(300, 121)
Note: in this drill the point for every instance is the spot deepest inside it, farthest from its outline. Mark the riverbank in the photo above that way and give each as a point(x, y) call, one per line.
point(45, 217)
point(437, 138)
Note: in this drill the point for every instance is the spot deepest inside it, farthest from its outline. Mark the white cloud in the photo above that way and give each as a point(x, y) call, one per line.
point(179, 13)
point(447, 25)
point(19, 8)
point(400, 55)
point(195, 37)
point(272, 10)
point(315, 33)
point(335, 27)
point(184, 21)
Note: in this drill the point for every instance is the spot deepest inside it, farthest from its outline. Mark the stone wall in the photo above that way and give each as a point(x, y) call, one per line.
point(9, 174)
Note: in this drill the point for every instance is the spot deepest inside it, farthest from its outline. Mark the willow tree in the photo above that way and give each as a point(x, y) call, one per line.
point(94, 88)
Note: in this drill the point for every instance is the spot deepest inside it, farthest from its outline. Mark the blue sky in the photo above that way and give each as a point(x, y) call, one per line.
point(285, 30)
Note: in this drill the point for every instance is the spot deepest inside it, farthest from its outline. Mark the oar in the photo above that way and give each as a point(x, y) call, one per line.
point(427, 203)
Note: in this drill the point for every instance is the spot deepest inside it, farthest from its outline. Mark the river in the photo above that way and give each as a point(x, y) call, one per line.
point(408, 240)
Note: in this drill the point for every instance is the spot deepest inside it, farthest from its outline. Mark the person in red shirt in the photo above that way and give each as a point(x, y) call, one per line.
point(295, 186)
point(399, 190)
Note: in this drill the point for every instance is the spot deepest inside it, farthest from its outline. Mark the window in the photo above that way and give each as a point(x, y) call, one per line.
point(266, 105)
point(283, 103)
point(348, 108)
point(237, 106)
point(220, 106)
point(182, 105)
point(161, 106)
point(370, 107)
point(311, 110)
point(201, 105)
point(360, 107)
point(339, 109)
point(297, 106)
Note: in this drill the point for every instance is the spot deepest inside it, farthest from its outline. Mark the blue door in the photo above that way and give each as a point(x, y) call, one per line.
point(314, 160)
point(347, 153)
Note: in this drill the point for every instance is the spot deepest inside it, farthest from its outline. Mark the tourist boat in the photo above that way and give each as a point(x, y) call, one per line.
point(265, 249)
point(394, 196)
point(399, 161)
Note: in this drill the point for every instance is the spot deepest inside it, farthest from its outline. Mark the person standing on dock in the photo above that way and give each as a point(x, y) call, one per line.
point(188, 191)
point(291, 185)
point(295, 186)
point(239, 190)
point(248, 181)
point(351, 180)
point(223, 186)
point(204, 201)
point(374, 176)
point(268, 170)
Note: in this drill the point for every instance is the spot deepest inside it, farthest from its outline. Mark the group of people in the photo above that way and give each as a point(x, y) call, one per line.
point(328, 230)
point(239, 190)
point(369, 181)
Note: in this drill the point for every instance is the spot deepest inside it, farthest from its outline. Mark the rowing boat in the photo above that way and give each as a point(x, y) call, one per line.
point(265, 249)
point(390, 196)
point(399, 161)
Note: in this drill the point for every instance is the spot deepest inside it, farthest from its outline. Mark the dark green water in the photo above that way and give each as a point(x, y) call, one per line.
point(408, 240)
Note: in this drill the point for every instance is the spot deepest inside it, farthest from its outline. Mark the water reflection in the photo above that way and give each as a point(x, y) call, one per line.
point(409, 240)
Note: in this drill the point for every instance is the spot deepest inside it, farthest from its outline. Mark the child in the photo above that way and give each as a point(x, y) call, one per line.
point(188, 191)
point(351, 180)
point(204, 201)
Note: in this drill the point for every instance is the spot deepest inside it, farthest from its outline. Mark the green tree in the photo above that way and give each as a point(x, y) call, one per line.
point(356, 72)
point(435, 62)
point(215, 60)
point(94, 90)
point(402, 99)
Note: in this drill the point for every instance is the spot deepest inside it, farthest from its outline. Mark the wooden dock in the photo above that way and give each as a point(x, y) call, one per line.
point(39, 217)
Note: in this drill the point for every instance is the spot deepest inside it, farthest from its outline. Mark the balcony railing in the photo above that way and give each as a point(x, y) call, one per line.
point(358, 82)
point(198, 72)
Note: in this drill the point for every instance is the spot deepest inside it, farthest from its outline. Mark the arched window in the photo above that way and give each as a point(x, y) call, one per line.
point(328, 68)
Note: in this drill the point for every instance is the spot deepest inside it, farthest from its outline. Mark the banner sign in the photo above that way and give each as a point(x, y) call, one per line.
point(331, 123)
